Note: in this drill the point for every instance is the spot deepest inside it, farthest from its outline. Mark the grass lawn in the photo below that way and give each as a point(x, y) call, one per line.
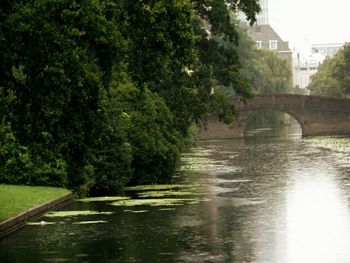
point(15, 199)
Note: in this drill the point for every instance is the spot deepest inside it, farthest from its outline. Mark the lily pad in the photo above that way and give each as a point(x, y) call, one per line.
point(155, 187)
point(75, 213)
point(163, 193)
point(103, 199)
point(152, 202)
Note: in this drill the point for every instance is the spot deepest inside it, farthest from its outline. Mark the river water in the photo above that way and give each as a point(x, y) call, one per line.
point(256, 200)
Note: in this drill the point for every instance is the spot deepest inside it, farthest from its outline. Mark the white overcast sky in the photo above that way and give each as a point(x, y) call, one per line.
point(306, 22)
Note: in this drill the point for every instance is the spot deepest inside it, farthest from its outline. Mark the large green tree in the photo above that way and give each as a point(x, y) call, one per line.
point(265, 70)
point(333, 76)
point(57, 63)
point(183, 61)
point(98, 94)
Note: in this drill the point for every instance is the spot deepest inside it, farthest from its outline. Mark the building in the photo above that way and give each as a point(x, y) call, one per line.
point(266, 37)
point(329, 50)
point(305, 67)
point(263, 17)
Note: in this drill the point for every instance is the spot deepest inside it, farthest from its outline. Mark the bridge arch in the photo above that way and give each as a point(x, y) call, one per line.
point(255, 113)
point(315, 115)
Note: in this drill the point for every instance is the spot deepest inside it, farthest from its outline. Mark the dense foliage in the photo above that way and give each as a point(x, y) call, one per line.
point(265, 71)
point(99, 94)
point(333, 78)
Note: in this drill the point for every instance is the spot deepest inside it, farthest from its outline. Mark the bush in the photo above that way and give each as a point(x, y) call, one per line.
point(154, 140)
point(19, 166)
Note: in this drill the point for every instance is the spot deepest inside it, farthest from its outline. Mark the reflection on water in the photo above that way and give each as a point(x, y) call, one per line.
point(318, 221)
point(272, 124)
point(265, 201)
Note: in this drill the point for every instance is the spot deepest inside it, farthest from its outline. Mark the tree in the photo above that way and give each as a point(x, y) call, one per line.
point(99, 94)
point(263, 69)
point(332, 78)
point(57, 60)
point(275, 74)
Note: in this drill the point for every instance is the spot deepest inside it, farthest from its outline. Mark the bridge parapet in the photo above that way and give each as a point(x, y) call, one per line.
point(289, 101)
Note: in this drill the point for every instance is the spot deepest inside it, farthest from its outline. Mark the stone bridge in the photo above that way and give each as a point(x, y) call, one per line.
point(316, 115)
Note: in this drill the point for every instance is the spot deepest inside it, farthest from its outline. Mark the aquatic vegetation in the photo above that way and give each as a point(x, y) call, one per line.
point(201, 161)
point(44, 223)
point(155, 187)
point(335, 143)
point(340, 145)
point(152, 202)
point(201, 164)
point(160, 201)
point(199, 152)
point(147, 194)
point(75, 213)
point(103, 199)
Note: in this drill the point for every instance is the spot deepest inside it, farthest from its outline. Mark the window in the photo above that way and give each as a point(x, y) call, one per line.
point(273, 44)
point(258, 44)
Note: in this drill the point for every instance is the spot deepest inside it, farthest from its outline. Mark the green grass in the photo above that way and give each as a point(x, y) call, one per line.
point(16, 199)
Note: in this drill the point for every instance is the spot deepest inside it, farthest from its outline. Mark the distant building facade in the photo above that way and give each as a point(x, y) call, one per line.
point(304, 68)
point(329, 50)
point(266, 37)
point(263, 17)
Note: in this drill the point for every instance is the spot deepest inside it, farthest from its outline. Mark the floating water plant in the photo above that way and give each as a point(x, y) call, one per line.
point(336, 143)
point(155, 187)
point(103, 199)
point(196, 163)
point(152, 202)
point(160, 202)
point(147, 194)
point(75, 213)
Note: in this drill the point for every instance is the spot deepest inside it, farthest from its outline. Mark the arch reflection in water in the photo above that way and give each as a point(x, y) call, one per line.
point(273, 124)
point(317, 221)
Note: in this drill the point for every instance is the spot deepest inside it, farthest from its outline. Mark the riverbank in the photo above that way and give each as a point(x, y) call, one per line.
point(19, 204)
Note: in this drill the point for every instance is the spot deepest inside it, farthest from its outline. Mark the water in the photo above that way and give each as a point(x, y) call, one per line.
point(259, 200)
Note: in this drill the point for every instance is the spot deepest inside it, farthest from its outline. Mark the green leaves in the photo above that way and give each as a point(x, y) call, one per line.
point(99, 94)
point(264, 70)
point(332, 78)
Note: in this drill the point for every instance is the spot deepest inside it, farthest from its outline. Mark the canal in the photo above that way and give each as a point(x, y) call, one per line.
point(263, 200)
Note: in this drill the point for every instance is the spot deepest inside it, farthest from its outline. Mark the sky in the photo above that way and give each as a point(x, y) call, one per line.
point(306, 22)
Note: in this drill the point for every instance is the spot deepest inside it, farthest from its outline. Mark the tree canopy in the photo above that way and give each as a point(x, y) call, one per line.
point(99, 94)
point(264, 70)
point(333, 78)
